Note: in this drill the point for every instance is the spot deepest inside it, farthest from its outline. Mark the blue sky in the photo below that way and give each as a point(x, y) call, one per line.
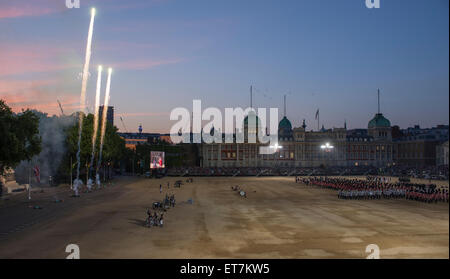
point(325, 54)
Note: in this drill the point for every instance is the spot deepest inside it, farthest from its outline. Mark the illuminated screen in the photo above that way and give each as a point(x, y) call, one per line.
point(157, 160)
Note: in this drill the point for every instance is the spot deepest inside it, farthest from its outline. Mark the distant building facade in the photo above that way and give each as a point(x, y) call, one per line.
point(378, 146)
point(442, 155)
point(133, 139)
point(418, 147)
point(109, 114)
point(302, 148)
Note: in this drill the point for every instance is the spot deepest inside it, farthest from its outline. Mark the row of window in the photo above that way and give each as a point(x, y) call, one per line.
point(307, 147)
point(358, 155)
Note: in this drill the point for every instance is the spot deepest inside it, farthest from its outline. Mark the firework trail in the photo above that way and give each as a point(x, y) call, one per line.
point(83, 95)
point(97, 103)
point(105, 111)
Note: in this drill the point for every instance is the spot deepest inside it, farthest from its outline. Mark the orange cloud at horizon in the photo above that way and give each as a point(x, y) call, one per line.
point(36, 94)
point(51, 108)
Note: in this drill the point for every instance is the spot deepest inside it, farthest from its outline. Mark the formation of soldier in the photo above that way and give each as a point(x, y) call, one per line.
point(379, 188)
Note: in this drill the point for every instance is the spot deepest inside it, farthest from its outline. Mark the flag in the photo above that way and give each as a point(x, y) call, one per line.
point(317, 113)
point(37, 173)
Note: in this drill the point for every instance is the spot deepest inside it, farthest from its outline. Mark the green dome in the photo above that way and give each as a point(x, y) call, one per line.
point(285, 129)
point(252, 113)
point(379, 121)
point(285, 124)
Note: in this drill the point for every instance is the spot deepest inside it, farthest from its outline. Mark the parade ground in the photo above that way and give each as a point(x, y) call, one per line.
point(278, 219)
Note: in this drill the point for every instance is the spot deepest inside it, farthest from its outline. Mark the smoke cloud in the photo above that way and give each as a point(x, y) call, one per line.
point(53, 133)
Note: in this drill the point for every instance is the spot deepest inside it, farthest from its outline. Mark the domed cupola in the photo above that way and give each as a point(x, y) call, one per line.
point(252, 124)
point(379, 121)
point(379, 127)
point(254, 119)
point(285, 127)
point(285, 124)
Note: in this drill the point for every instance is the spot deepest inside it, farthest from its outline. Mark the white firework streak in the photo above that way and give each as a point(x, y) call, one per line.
point(83, 89)
point(105, 111)
point(97, 103)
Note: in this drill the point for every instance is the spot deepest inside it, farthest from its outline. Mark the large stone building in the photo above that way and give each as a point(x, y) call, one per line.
point(418, 147)
point(380, 145)
point(302, 148)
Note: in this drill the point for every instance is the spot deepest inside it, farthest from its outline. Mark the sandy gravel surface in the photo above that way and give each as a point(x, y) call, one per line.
point(279, 219)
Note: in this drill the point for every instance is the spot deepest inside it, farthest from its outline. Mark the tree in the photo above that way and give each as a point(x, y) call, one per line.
point(113, 145)
point(19, 137)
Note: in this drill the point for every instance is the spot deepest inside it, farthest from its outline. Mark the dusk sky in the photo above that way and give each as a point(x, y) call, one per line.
point(325, 54)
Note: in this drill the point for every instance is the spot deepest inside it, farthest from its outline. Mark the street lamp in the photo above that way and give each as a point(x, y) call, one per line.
point(276, 146)
point(327, 147)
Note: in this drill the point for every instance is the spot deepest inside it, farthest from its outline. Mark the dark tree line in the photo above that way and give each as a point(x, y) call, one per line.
point(22, 136)
point(19, 137)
